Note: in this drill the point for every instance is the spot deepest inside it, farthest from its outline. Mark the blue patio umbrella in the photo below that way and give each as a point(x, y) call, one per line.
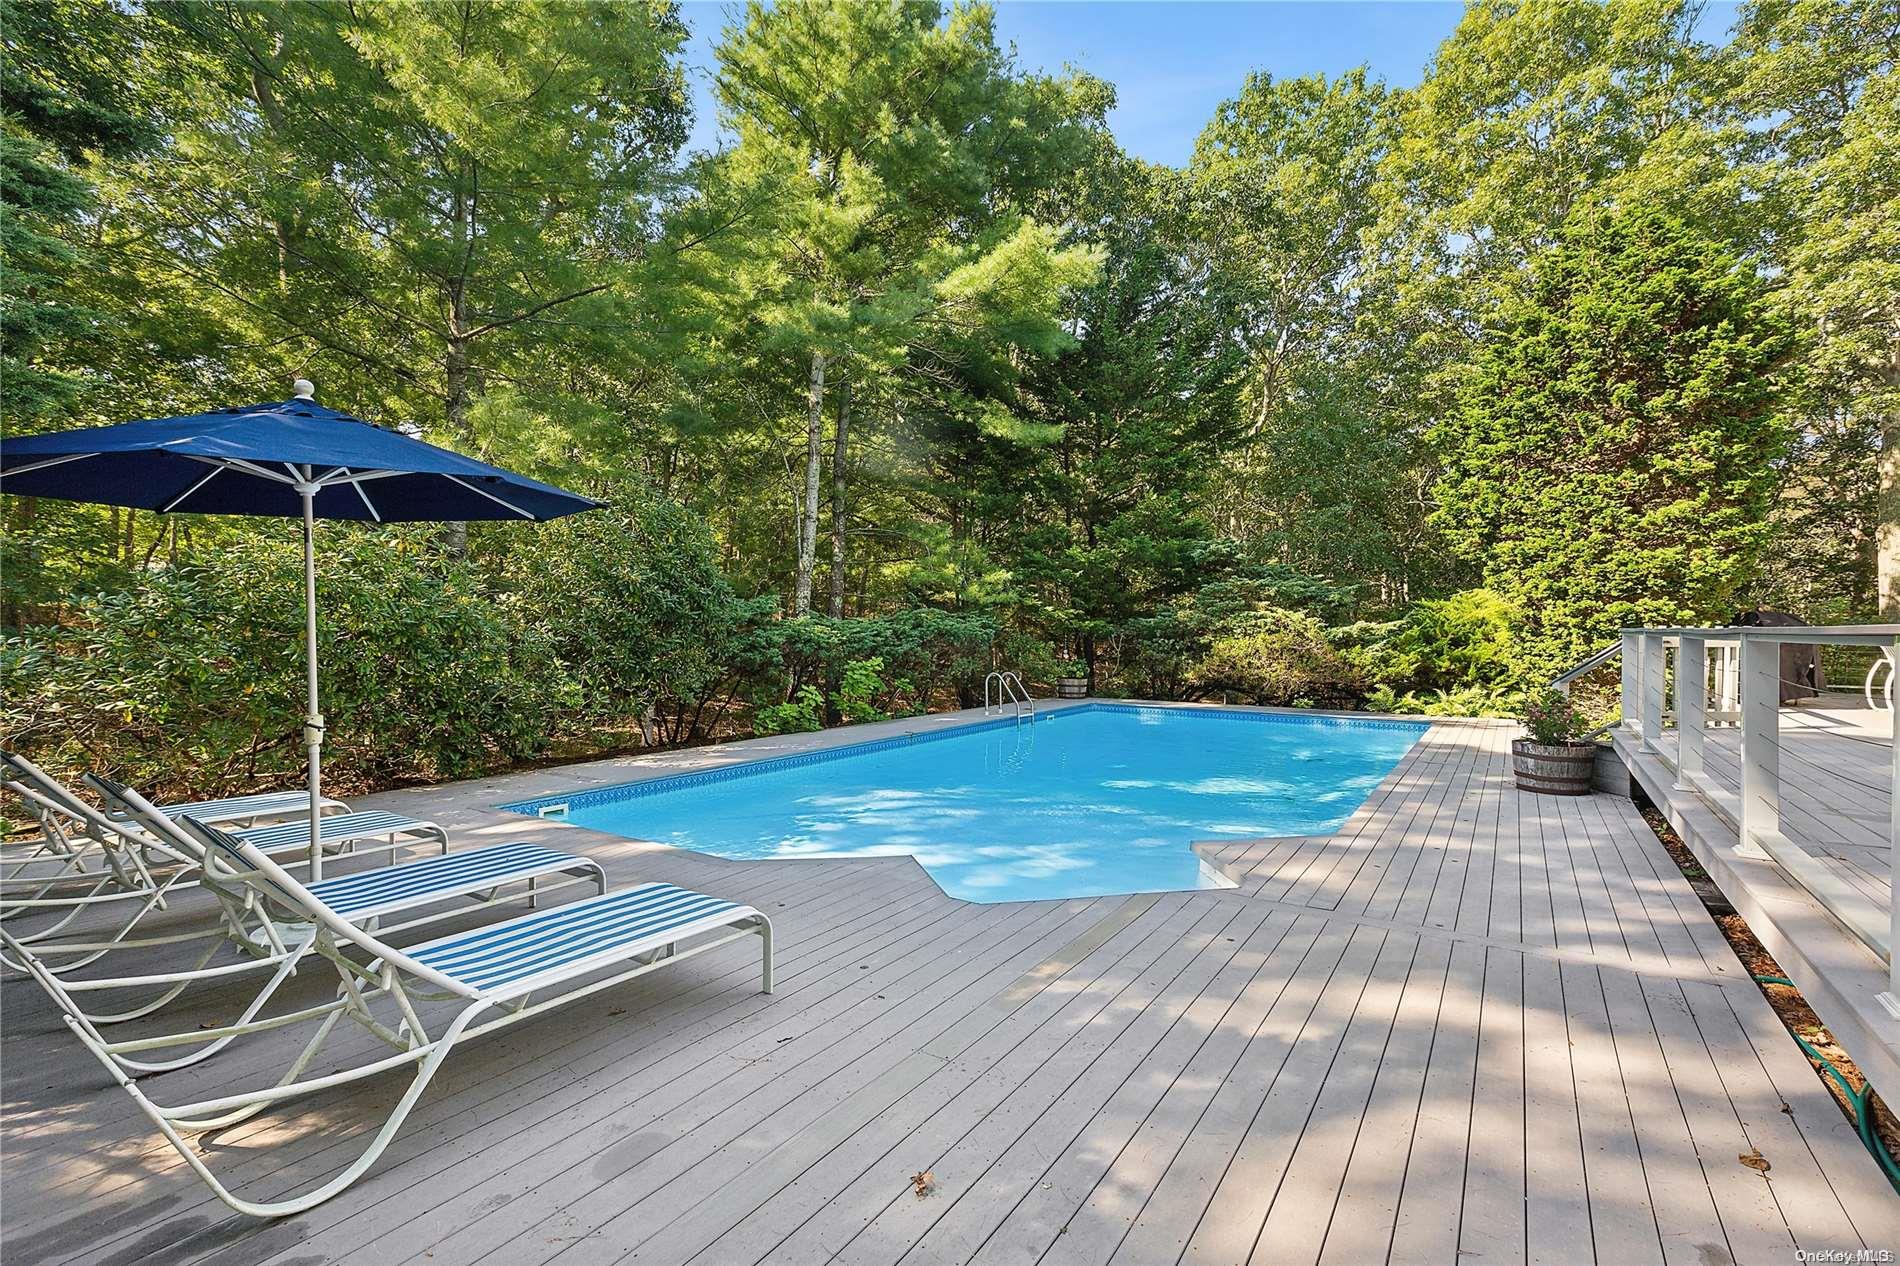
point(294, 458)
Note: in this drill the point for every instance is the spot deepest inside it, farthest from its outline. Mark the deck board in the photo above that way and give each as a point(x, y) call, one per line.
point(1471, 1025)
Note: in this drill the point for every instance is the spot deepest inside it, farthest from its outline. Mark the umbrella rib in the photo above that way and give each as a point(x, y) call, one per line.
point(357, 477)
point(51, 461)
point(178, 500)
point(491, 496)
point(240, 463)
point(367, 504)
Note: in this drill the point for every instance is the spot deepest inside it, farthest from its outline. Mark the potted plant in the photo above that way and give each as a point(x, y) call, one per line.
point(1555, 757)
point(1072, 679)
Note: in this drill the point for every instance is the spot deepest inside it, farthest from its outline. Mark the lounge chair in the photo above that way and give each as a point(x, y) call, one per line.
point(254, 809)
point(508, 972)
point(61, 857)
point(339, 830)
point(67, 851)
point(346, 833)
point(79, 861)
point(82, 863)
point(142, 865)
point(489, 875)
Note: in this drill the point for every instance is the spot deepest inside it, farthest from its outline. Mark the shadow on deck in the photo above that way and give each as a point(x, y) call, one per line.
point(1473, 1025)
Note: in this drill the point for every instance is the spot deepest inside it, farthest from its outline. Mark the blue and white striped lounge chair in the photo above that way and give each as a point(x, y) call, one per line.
point(346, 832)
point(78, 855)
point(336, 832)
point(253, 810)
point(88, 860)
point(83, 863)
point(341, 831)
point(68, 852)
point(426, 891)
point(499, 975)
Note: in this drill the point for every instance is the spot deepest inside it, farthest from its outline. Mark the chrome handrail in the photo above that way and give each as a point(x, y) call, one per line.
point(1009, 689)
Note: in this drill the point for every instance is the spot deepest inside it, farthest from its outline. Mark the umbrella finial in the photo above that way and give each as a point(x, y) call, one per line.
point(303, 389)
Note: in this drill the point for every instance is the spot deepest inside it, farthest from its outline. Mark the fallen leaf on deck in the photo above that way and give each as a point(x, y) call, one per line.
point(923, 1183)
point(1754, 1160)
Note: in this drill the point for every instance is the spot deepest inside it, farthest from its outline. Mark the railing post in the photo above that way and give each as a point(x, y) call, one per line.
point(1692, 707)
point(1728, 678)
point(1655, 652)
point(1760, 689)
point(1632, 680)
point(1891, 999)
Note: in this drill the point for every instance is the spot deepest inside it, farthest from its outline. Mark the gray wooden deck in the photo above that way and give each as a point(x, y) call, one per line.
point(1837, 788)
point(1836, 805)
point(1471, 1027)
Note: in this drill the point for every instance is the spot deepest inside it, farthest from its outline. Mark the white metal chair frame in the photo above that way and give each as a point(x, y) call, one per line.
point(266, 943)
point(138, 871)
point(68, 844)
point(403, 981)
point(59, 855)
point(148, 858)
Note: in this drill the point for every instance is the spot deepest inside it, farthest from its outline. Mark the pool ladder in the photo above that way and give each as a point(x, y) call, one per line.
point(1006, 689)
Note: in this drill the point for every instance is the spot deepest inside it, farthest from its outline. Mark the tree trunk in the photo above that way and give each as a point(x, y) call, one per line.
point(839, 440)
point(1887, 529)
point(268, 106)
point(455, 394)
point(814, 467)
point(455, 353)
point(13, 612)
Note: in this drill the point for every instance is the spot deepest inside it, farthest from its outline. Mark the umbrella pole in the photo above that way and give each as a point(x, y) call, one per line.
point(313, 719)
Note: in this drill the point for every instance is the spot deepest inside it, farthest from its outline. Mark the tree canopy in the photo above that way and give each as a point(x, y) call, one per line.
point(1394, 396)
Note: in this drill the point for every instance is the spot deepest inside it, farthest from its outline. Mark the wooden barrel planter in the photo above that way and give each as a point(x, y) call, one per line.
point(1554, 769)
point(1072, 687)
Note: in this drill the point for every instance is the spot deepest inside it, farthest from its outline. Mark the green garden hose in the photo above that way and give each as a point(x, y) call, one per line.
point(1863, 1114)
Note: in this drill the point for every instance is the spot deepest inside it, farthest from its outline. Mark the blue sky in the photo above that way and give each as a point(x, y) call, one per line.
point(1172, 63)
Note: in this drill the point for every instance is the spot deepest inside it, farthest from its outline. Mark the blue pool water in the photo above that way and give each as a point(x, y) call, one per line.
point(1081, 802)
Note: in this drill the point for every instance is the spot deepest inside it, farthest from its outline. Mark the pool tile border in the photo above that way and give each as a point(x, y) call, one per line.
point(766, 764)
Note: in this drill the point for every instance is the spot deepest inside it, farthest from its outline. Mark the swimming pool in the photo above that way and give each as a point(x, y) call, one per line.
point(1083, 801)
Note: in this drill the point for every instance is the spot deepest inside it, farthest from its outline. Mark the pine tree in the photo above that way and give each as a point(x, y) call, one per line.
point(1611, 459)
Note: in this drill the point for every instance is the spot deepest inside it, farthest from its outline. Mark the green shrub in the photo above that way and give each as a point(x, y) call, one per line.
point(804, 712)
point(1440, 646)
point(1279, 658)
point(193, 682)
point(858, 694)
point(928, 650)
point(1158, 654)
point(633, 600)
point(1469, 701)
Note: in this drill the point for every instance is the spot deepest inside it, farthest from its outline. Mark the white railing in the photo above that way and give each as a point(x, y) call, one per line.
point(1742, 679)
point(1724, 683)
point(1879, 684)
